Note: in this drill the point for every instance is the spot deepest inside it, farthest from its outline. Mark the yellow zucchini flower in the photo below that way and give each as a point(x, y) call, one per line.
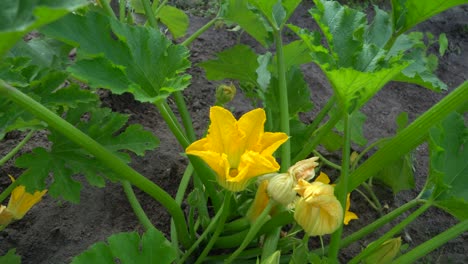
point(317, 211)
point(238, 150)
point(348, 214)
point(20, 203)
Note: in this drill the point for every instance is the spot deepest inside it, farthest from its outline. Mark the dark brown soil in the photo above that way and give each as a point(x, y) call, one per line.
point(55, 231)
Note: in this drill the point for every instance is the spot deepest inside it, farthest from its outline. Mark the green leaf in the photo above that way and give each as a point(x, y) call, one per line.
point(175, 19)
point(354, 88)
point(130, 248)
point(357, 120)
point(49, 92)
point(239, 63)
point(380, 30)
point(276, 12)
point(408, 13)
point(238, 11)
point(448, 184)
point(10, 257)
point(148, 65)
point(443, 44)
point(399, 175)
point(298, 94)
point(295, 53)
point(22, 16)
point(264, 75)
point(332, 141)
point(65, 159)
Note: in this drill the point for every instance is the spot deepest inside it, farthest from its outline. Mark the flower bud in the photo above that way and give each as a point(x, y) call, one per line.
point(281, 188)
point(5, 216)
point(225, 93)
point(386, 252)
point(304, 169)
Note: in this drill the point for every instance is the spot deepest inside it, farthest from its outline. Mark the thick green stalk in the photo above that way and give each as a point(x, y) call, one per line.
point(17, 148)
point(321, 115)
point(172, 122)
point(270, 243)
point(283, 101)
point(435, 242)
point(317, 137)
point(395, 230)
point(254, 228)
point(105, 156)
point(341, 190)
point(200, 31)
point(122, 9)
point(136, 206)
point(219, 228)
point(149, 14)
point(214, 222)
point(410, 137)
point(184, 182)
point(185, 115)
point(107, 8)
point(377, 223)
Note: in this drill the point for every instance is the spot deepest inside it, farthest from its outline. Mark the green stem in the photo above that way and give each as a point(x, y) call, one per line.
point(237, 225)
point(219, 228)
point(122, 9)
point(105, 156)
point(435, 242)
point(107, 8)
point(270, 243)
point(283, 101)
point(211, 226)
point(136, 206)
point(326, 161)
point(341, 190)
point(373, 196)
point(17, 148)
point(364, 152)
point(172, 122)
point(321, 115)
point(378, 223)
point(158, 6)
point(185, 115)
point(410, 137)
point(10, 188)
point(149, 14)
point(395, 230)
point(317, 137)
point(262, 218)
point(371, 203)
point(184, 182)
point(200, 31)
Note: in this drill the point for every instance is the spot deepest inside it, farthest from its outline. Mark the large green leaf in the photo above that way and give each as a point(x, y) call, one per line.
point(49, 91)
point(22, 16)
point(130, 248)
point(239, 63)
point(354, 88)
point(238, 11)
point(146, 62)
point(10, 257)
point(399, 175)
point(175, 19)
point(357, 120)
point(64, 159)
point(408, 13)
point(276, 12)
point(448, 181)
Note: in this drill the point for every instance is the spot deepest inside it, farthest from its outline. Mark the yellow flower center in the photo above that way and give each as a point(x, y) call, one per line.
point(233, 172)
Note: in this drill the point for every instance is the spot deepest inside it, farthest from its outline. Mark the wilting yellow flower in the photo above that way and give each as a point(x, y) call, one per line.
point(238, 150)
point(20, 203)
point(304, 169)
point(348, 214)
point(317, 211)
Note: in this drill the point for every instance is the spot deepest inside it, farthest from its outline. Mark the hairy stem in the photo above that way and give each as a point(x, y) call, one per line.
point(136, 206)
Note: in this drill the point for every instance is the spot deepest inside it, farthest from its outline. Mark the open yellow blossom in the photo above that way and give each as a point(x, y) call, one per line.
point(238, 150)
point(348, 214)
point(318, 211)
point(20, 203)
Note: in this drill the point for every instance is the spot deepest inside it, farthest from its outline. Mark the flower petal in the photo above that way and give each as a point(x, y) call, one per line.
point(323, 178)
point(222, 131)
point(21, 201)
point(217, 162)
point(271, 141)
point(252, 124)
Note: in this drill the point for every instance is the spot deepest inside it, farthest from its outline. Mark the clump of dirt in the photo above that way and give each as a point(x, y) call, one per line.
point(55, 231)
